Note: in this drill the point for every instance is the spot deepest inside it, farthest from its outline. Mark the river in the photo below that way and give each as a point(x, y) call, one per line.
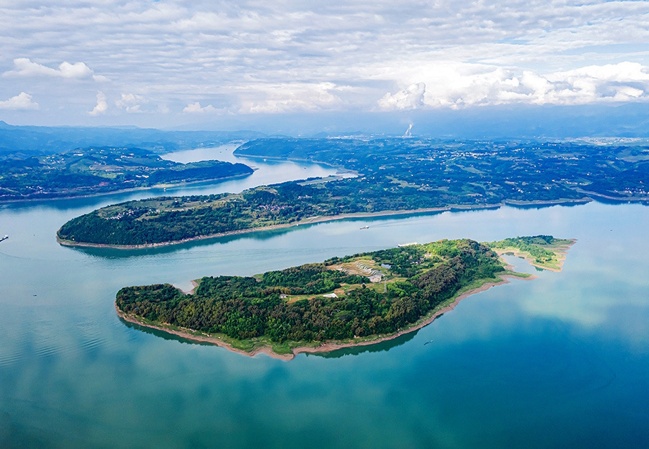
point(558, 361)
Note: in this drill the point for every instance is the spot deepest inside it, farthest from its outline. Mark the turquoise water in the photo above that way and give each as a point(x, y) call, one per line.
point(559, 361)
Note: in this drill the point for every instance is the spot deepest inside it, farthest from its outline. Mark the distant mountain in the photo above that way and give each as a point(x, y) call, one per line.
point(486, 122)
point(43, 140)
point(549, 122)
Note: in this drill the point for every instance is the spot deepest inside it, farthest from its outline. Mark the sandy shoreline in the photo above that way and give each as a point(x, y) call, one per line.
point(325, 347)
point(315, 220)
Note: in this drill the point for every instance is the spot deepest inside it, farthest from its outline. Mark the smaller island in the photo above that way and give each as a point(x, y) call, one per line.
point(344, 301)
point(542, 251)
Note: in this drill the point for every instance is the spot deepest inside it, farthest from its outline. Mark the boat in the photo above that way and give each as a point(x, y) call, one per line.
point(365, 227)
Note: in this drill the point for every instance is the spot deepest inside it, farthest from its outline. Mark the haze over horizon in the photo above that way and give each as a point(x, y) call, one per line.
point(169, 64)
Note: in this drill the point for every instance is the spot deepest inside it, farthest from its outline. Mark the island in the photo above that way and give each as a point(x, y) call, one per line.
point(100, 170)
point(344, 301)
point(384, 176)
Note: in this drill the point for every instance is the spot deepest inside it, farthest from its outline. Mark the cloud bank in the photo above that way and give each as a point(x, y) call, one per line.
point(248, 57)
point(458, 86)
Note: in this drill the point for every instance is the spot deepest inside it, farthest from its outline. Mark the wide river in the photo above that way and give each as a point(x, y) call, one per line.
point(559, 361)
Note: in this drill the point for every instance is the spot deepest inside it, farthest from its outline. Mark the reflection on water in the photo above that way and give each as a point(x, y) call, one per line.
point(377, 347)
point(162, 334)
point(566, 351)
point(167, 249)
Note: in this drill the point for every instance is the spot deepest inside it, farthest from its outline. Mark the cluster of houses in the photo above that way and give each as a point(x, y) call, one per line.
point(372, 273)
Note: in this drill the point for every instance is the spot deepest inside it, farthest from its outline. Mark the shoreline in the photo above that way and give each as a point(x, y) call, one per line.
point(326, 346)
point(320, 219)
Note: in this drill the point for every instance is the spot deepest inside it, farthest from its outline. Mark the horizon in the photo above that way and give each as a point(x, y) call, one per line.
point(512, 122)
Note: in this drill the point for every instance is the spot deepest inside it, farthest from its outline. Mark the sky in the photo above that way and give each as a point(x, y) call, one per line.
point(177, 63)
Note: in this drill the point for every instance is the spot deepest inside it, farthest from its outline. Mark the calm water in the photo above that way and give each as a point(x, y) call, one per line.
point(560, 361)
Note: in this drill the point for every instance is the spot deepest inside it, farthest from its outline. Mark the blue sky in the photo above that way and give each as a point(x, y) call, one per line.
point(170, 63)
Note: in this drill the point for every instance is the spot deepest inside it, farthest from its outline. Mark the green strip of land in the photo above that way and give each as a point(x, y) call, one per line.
point(393, 176)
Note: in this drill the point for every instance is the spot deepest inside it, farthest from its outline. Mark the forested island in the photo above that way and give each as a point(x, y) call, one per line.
point(394, 176)
point(92, 171)
point(344, 301)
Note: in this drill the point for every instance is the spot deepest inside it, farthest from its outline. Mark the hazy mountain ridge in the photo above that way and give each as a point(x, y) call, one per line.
point(46, 139)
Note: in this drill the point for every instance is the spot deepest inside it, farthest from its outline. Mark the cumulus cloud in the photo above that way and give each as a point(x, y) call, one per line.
point(463, 85)
point(24, 67)
point(131, 102)
point(22, 101)
point(409, 98)
point(196, 108)
point(102, 105)
point(612, 82)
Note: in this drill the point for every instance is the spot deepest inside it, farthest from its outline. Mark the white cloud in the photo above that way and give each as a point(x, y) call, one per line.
point(22, 101)
point(293, 56)
point(410, 98)
point(24, 67)
point(287, 97)
point(102, 105)
point(131, 102)
point(196, 108)
point(463, 85)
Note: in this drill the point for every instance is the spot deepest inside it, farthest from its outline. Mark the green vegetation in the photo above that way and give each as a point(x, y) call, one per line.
point(543, 251)
point(395, 175)
point(354, 298)
point(100, 170)
point(478, 172)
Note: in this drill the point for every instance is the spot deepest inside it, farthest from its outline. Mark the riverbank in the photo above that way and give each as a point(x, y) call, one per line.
point(446, 307)
point(164, 186)
point(324, 219)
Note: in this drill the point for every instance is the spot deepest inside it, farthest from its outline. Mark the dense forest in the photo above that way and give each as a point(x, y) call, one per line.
point(393, 175)
point(358, 296)
point(100, 170)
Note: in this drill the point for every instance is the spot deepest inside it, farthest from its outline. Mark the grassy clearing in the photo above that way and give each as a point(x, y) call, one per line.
point(543, 252)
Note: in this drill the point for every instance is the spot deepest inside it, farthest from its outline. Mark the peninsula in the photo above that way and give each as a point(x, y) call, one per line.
point(344, 301)
point(100, 170)
point(394, 176)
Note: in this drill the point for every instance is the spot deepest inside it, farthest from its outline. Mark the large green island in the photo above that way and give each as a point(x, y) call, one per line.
point(344, 301)
point(394, 176)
